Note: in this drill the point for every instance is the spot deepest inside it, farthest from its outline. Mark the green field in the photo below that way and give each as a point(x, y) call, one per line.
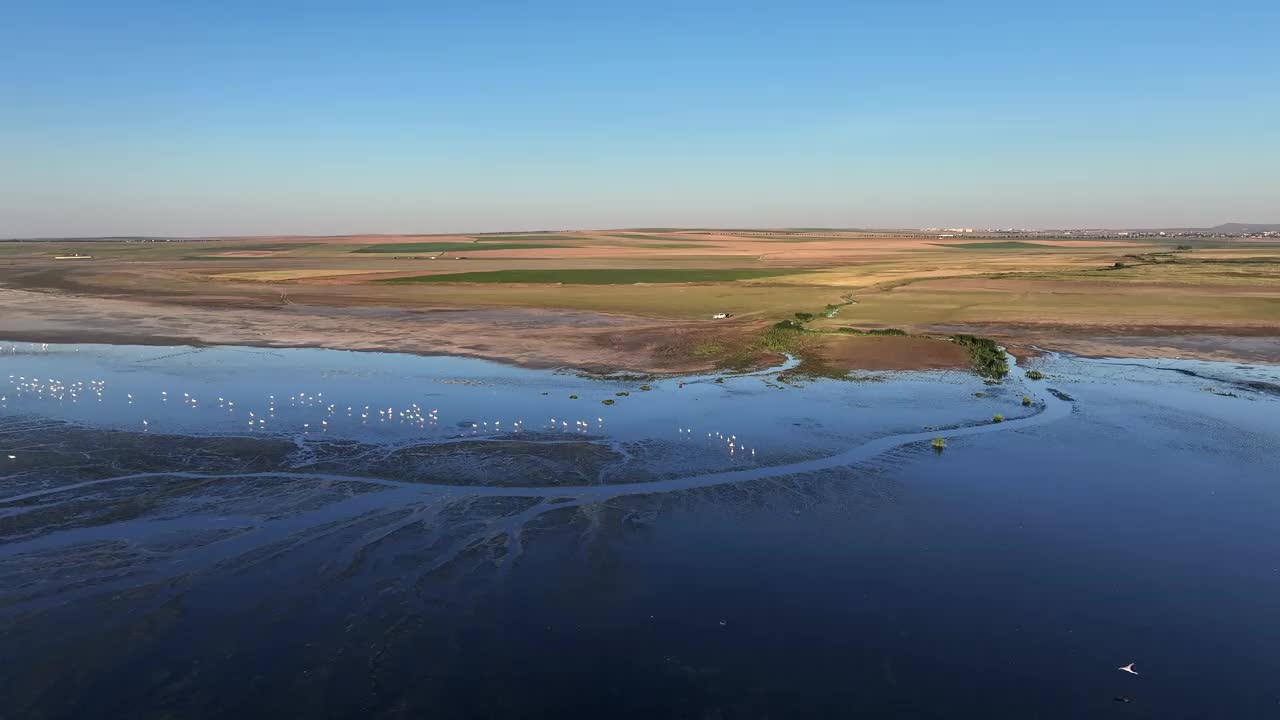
point(432, 247)
point(527, 236)
point(1000, 245)
point(656, 238)
point(595, 277)
point(668, 246)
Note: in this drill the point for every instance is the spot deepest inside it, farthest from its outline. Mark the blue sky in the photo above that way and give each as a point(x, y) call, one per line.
point(246, 117)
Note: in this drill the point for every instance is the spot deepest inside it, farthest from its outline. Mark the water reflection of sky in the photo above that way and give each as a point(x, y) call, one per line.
point(392, 398)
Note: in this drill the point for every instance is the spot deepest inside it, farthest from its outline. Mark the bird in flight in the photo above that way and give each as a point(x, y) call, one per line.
point(1129, 669)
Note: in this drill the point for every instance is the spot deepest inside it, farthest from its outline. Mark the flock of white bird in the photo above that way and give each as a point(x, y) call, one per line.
point(411, 415)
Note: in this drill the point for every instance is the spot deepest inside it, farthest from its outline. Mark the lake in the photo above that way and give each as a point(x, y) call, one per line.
point(245, 532)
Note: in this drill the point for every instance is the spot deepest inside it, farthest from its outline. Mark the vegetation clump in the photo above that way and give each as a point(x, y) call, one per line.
point(895, 332)
point(622, 393)
point(573, 397)
point(985, 355)
point(707, 350)
point(997, 418)
point(645, 388)
point(1035, 375)
point(1026, 400)
point(939, 443)
point(609, 401)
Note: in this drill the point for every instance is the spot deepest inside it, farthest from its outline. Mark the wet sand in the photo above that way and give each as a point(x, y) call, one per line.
point(1227, 343)
point(521, 336)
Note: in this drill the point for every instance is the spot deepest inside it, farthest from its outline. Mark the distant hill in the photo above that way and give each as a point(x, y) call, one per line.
point(1234, 227)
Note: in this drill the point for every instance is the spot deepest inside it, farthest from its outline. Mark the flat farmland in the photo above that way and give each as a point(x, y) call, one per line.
point(1062, 293)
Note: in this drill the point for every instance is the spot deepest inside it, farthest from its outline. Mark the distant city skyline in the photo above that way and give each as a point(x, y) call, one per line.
point(151, 118)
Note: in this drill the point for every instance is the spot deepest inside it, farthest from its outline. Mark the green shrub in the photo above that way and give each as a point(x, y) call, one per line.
point(1035, 375)
point(875, 331)
point(622, 393)
point(645, 388)
point(985, 355)
point(606, 402)
point(998, 418)
point(573, 397)
point(939, 443)
point(707, 350)
point(1026, 400)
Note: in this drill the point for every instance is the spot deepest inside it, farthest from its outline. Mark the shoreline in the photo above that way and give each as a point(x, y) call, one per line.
point(540, 338)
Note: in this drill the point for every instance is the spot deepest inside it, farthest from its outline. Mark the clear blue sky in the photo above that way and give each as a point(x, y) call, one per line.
point(236, 117)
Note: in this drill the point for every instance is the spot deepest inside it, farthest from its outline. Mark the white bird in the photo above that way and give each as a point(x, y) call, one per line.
point(1129, 669)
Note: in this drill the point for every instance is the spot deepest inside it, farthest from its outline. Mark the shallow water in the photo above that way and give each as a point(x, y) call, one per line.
point(745, 548)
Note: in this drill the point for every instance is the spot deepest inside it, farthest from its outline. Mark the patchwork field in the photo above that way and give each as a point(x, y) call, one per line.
point(595, 277)
point(662, 286)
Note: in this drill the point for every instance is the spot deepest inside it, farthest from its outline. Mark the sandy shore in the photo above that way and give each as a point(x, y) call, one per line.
point(546, 338)
point(527, 337)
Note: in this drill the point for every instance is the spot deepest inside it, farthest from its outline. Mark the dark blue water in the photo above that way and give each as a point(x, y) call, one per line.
point(1008, 576)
